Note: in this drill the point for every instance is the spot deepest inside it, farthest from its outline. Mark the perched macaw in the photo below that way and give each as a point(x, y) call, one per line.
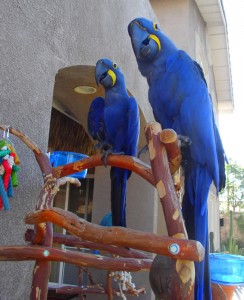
point(180, 100)
point(114, 122)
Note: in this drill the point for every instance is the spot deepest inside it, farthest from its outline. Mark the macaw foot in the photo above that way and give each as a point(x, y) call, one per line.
point(144, 149)
point(106, 150)
point(185, 141)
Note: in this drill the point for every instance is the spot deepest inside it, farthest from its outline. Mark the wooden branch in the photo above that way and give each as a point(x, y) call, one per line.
point(109, 289)
point(24, 138)
point(41, 273)
point(73, 241)
point(96, 289)
point(121, 161)
point(119, 236)
point(171, 143)
point(44, 254)
point(73, 290)
point(180, 272)
point(72, 180)
point(164, 184)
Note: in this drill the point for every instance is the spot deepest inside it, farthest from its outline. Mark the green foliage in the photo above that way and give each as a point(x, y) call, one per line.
point(232, 247)
point(240, 223)
point(233, 194)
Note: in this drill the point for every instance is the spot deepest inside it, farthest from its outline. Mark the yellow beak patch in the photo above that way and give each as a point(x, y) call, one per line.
point(113, 76)
point(156, 39)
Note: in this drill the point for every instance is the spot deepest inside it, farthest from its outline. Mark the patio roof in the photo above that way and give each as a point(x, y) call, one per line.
point(214, 16)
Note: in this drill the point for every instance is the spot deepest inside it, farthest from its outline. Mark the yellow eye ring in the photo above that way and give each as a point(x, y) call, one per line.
point(155, 26)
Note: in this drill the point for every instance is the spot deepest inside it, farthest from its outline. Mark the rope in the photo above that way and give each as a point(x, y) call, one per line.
point(3, 198)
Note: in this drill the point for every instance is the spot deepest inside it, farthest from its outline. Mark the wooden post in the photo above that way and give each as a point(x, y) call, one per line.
point(178, 281)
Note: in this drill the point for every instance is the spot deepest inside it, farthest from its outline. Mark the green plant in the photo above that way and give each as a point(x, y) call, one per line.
point(240, 223)
point(231, 246)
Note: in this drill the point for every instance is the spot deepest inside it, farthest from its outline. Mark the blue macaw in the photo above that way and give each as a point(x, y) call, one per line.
point(180, 100)
point(114, 121)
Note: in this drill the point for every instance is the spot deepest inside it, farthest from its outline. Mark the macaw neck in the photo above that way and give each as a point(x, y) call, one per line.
point(152, 69)
point(117, 92)
point(157, 68)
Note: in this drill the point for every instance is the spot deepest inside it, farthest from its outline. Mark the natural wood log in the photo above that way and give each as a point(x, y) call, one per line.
point(96, 289)
point(39, 289)
point(73, 241)
point(171, 143)
point(178, 282)
point(171, 279)
point(44, 254)
point(73, 290)
point(109, 289)
point(119, 236)
point(164, 184)
point(121, 161)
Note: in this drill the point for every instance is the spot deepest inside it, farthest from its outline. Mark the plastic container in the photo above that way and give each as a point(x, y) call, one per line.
point(226, 269)
point(60, 158)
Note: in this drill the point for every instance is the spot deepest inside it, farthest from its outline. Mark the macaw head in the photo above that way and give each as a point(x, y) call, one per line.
point(148, 42)
point(107, 73)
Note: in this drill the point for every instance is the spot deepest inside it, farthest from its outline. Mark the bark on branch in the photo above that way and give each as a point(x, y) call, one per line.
point(180, 272)
point(73, 241)
point(121, 161)
point(118, 236)
point(43, 254)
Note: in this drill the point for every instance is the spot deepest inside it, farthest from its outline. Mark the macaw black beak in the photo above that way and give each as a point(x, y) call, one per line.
point(104, 75)
point(100, 72)
point(145, 45)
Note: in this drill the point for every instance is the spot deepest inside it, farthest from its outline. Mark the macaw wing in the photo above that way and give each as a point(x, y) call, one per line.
point(133, 126)
point(122, 123)
point(194, 112)
point(95, 119)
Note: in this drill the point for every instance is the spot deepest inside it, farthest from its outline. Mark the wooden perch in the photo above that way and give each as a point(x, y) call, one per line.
point(118, 236)
point(96, 289)
point(73, 241)
point(121, 161)
point(180, 272)
point(171, 143)
point(42, 254)
point(172, 272)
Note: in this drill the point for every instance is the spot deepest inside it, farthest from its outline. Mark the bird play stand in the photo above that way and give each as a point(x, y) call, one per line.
point(174, 253)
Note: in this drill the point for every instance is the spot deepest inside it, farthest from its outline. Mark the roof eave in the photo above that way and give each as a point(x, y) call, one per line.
point(213, 14)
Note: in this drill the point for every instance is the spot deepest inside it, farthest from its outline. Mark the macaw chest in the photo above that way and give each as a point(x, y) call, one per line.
point(164, 107)
point(115, 120)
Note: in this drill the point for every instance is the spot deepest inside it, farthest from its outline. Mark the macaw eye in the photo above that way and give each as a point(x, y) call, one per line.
point(155, 26)
point(115, 66)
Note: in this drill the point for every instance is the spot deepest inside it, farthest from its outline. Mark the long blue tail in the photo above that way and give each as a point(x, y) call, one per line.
point(119, 179)
point(195, 213)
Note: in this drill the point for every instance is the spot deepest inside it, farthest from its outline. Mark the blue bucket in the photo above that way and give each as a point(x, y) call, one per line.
point(226, 269)
point(60, 158)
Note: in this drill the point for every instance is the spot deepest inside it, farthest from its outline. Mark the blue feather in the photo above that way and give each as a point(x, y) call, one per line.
point(114, 120)
point(180, 100)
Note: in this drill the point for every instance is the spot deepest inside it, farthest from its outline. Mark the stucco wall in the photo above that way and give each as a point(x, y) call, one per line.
point(37, 39)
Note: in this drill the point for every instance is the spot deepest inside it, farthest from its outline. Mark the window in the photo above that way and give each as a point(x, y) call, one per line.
point(77, 200)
